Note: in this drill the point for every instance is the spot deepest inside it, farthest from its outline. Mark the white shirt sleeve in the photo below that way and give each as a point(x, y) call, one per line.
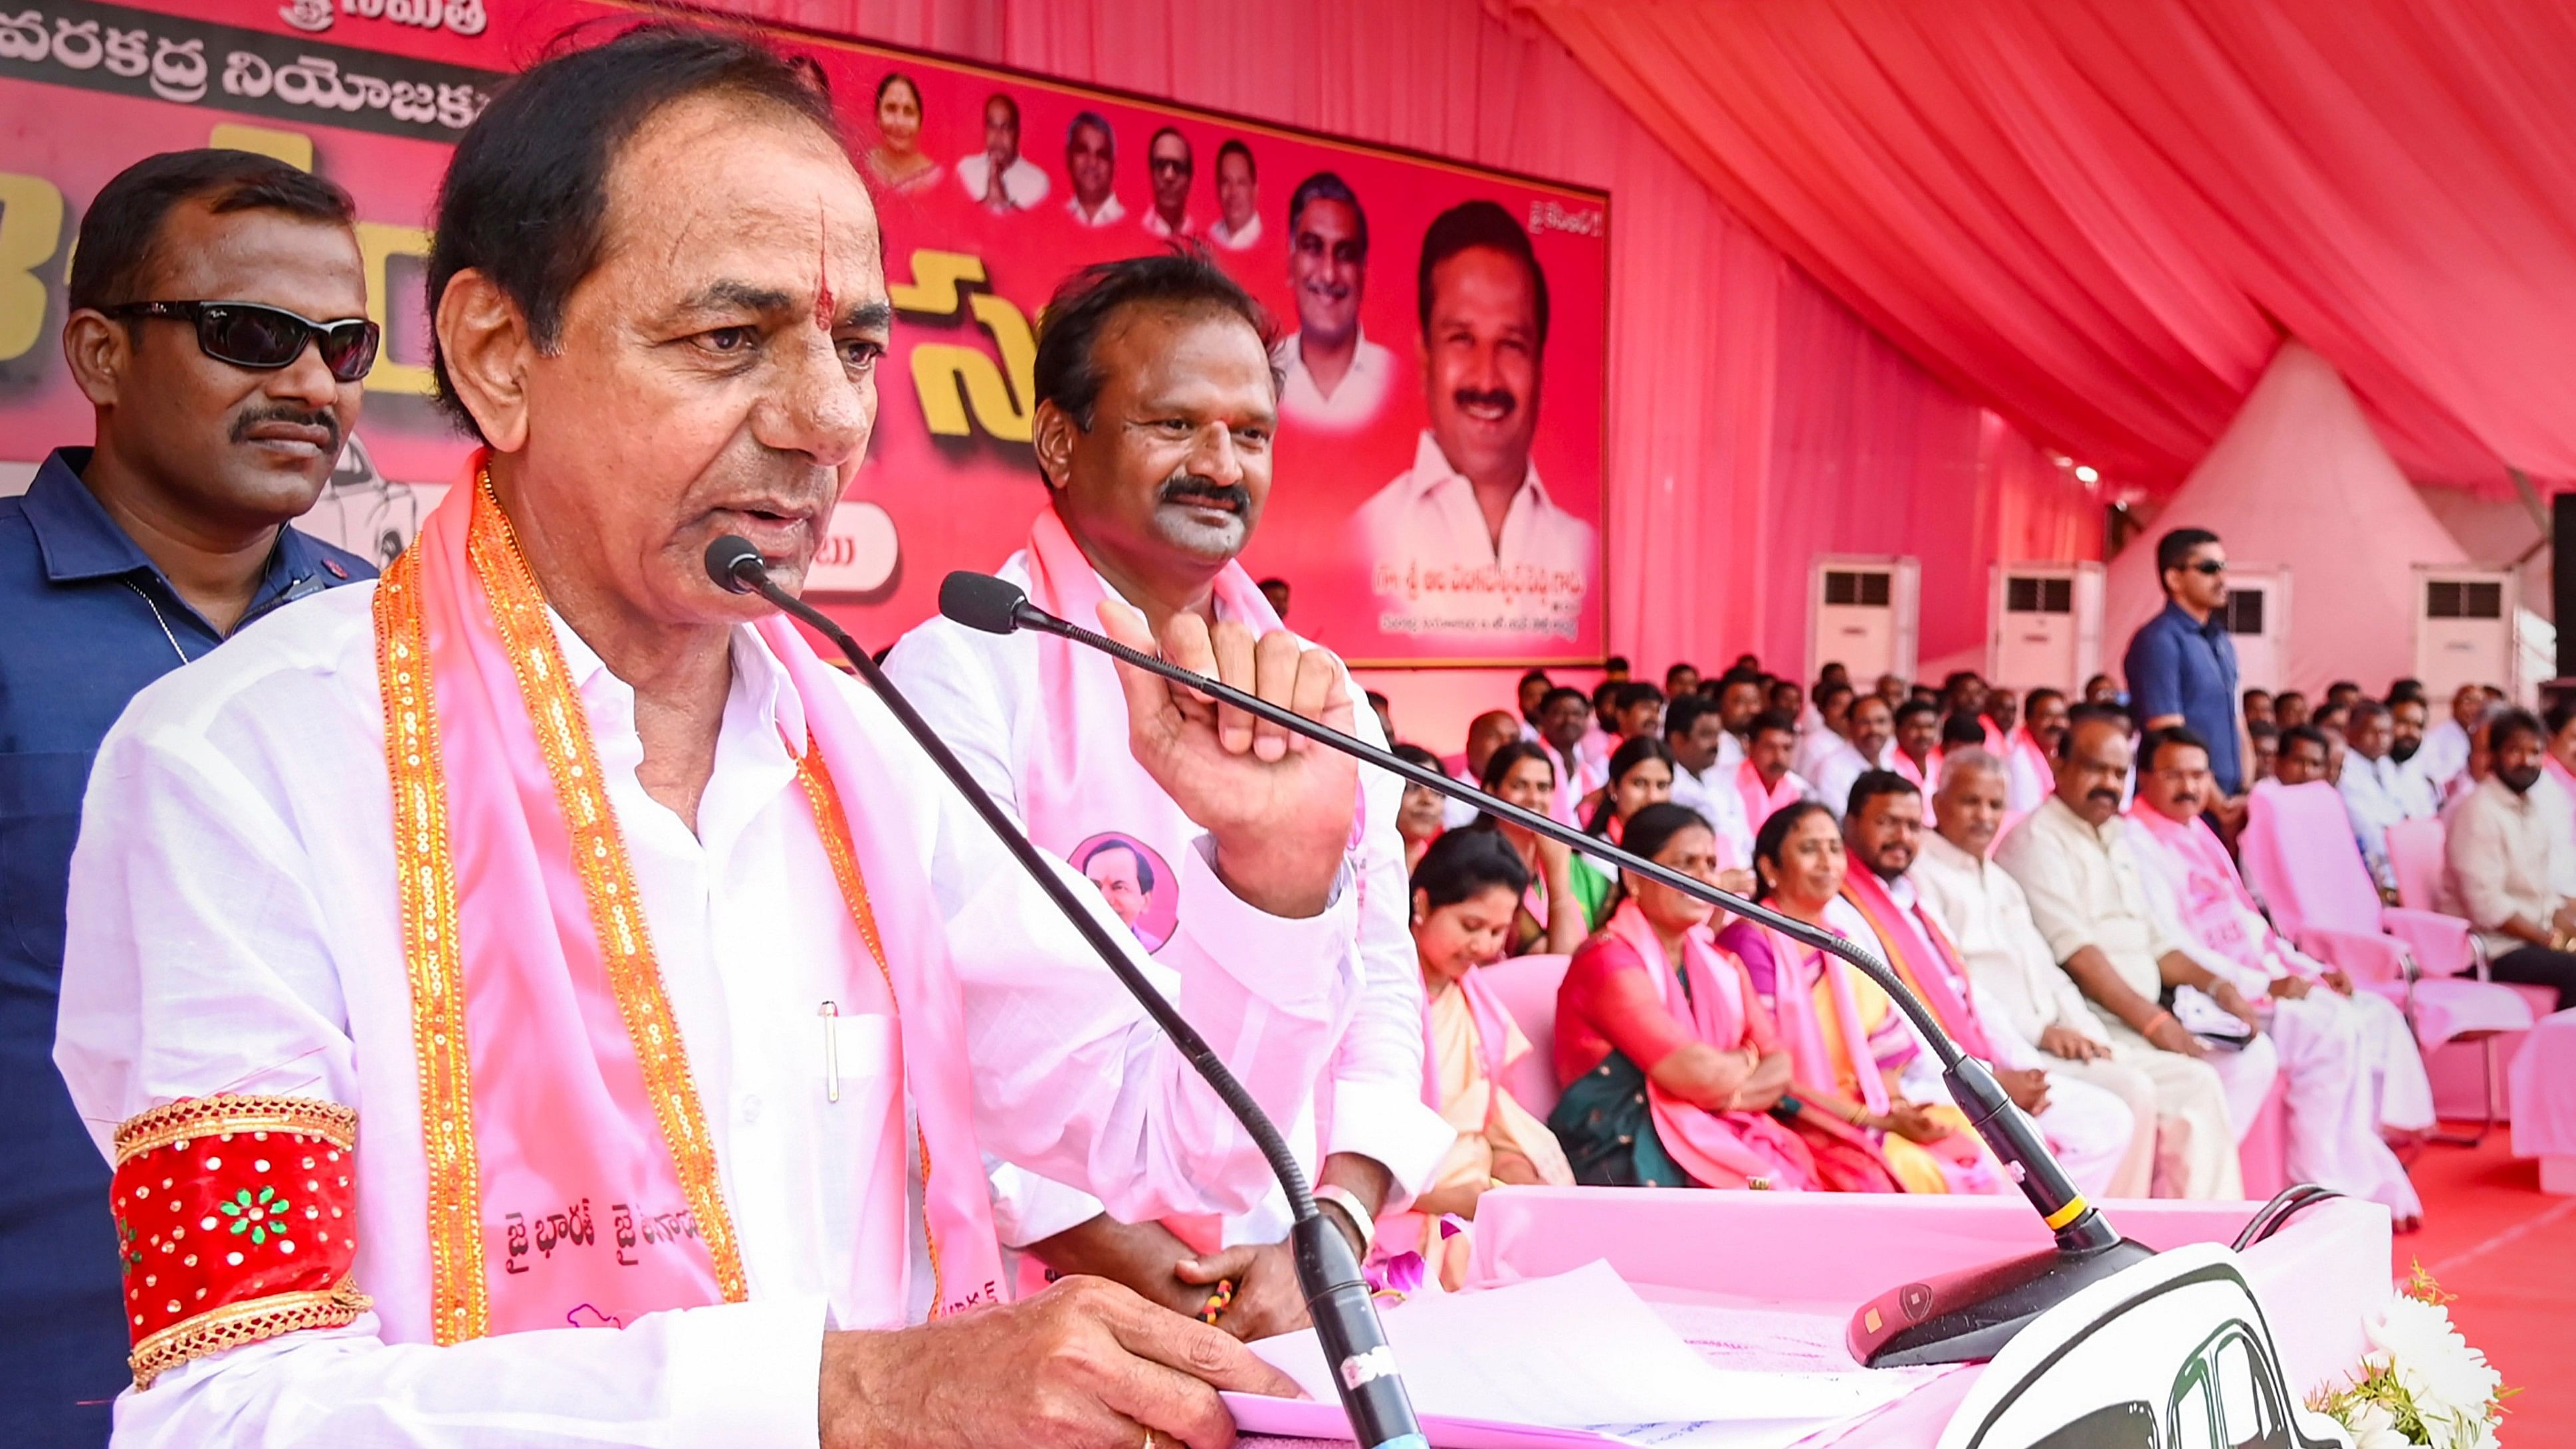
point(198, 962)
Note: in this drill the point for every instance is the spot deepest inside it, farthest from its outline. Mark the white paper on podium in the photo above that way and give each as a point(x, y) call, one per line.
point(1575, 1352)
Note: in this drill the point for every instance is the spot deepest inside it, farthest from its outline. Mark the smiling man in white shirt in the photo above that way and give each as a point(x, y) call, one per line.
point(678, 997)
point(1467, 540)
point(1331, 376)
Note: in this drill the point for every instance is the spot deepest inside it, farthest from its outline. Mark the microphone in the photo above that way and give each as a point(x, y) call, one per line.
point(1337, 1297)
point(1957, 1318)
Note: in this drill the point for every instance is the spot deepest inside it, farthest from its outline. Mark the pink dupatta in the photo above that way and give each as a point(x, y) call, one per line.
point(1939, 983)
point(1718, 1149)
point(2211, 897)
point(1793, 1007)
point(581, 1114)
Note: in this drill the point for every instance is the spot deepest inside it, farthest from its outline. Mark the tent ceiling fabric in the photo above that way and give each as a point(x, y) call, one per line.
point(2100, 216)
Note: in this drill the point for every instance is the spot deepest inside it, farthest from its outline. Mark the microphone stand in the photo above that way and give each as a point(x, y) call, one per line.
point(1962, 1317)
point(1337, 1297)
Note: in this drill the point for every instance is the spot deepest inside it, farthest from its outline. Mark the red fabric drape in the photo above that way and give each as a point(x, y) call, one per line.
point(1719, 350)
point(2100, 215)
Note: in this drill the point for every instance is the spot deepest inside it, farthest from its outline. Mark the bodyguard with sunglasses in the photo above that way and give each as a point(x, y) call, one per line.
point(217, 324)
point(2182, 664)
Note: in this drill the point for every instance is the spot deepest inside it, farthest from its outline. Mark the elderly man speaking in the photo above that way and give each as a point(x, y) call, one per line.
point(534, 1001)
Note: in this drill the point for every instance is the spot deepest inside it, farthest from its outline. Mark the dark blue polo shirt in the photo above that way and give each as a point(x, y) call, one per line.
point(2179, 665)
point(90, 622)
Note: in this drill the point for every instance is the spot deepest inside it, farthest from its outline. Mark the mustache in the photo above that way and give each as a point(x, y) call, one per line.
point(321, 418)
point(2109, 796)
point(1197, 488)
point(1501, 397)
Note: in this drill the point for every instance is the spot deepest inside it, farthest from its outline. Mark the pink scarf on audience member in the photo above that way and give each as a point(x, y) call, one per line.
point(2211, 898)
point(1793, 1005)
point(1718, 1149)
point(1941, 983)
point(579, 1116)
point(1762, 801)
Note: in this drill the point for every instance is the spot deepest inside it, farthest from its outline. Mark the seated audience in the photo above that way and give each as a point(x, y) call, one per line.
point(1422, 814)
point(2406, 691)
point(1681, 679)
point(1486, 733)
point(2077, 868)
point(1893, 688)
point(1464, 895)
point(2185, 1148)
point(2378, 789)
point(1551, 919)
point(1384, 709)
point(2091, 1130)
point(2263, 745)
point(2506, 869)
point(1739, 698)
point(2258, 706)
point(2289, 710)
point(2101, 689)
point(1849, 1045)
point(2407, 720)
point(1534, 687)
point(2305, 754)
point(1641, 711)
point(1918, 743)
point(2030, 747)
point(1615, 668)
point(2342, 694)
point(2003, 712)
point(1963, 696)
point(1564, 720)
point(2445, 755)
point(1602, 736)
point(1826, 728)
point(2558, 764)
point(2349, 1058)
point(1871, 747)
point(1787, 697)
point(1641, 774)
point(1674, 1075)
point(1764, 782)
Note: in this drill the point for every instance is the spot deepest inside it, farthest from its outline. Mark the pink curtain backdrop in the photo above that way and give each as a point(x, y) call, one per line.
point(1753, 420)
point(2100, 216)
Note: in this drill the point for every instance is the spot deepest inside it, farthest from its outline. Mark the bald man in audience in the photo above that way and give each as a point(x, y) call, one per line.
point(2349, 1057)
point(1486, 733)
point(2190, 1150)
point(2075, 863)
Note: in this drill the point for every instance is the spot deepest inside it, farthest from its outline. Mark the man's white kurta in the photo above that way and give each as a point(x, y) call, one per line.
point(234, 928)
point(982, 693)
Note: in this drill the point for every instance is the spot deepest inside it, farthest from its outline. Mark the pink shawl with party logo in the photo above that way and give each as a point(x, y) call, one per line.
point(1942, 983)
point(2209, 895)
point(572, 1105)
point(1718, 1149)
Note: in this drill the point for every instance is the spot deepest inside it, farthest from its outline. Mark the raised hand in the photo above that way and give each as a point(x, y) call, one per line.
point(1279, 807)
point(1084, 1365)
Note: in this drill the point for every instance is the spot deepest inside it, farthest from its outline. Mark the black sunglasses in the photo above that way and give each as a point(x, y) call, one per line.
point(2210, 566)
point(264, 339)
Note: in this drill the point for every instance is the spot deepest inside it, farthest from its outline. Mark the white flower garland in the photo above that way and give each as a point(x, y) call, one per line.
point(2422, 1384)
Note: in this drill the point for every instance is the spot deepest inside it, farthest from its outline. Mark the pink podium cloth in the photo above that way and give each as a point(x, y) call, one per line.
point(2541, 1084)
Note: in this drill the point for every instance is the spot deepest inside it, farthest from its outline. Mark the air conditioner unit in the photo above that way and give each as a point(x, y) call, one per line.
point(1862, 613)
point(2464, 627)
point(2258, 619)
point(2045, 625)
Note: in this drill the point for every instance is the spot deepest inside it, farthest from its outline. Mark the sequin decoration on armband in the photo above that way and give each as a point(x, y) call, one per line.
point(236, 1221)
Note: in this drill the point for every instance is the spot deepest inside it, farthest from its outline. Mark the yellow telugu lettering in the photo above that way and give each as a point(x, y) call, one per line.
point(951, 379)
point(31, 227)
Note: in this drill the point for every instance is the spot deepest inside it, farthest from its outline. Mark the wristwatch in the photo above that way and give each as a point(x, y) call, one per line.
point(1361, 1223)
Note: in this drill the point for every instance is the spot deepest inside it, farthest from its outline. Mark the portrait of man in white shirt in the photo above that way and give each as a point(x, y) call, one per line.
point(1169, 168)
point(1091, 164)
point(1238, 197)
point(1467, 540)
point(999, 176)
point(1332, 376)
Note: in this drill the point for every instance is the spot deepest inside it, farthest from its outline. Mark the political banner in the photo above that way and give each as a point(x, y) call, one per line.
point(1437, 488)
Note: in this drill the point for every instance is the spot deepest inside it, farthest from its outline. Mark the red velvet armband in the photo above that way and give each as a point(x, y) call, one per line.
point(235, 1222)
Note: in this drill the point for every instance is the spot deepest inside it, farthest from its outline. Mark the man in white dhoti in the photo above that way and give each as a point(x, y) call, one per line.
point(2191, 1149)
point(2350, 1058)
point(2075, 865)
point(535, 1001)
point(1157, 462)
point(2096, 1136)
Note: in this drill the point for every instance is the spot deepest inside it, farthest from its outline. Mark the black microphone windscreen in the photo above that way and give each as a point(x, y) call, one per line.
point(726, 556)
point(981, 601)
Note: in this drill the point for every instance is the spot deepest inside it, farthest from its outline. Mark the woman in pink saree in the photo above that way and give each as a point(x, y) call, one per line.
point(1673, 1074)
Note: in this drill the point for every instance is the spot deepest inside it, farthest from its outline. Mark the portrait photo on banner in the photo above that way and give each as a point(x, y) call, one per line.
point(1437, 468)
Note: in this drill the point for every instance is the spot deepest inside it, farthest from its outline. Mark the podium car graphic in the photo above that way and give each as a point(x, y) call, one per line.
point(2171, 1354)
